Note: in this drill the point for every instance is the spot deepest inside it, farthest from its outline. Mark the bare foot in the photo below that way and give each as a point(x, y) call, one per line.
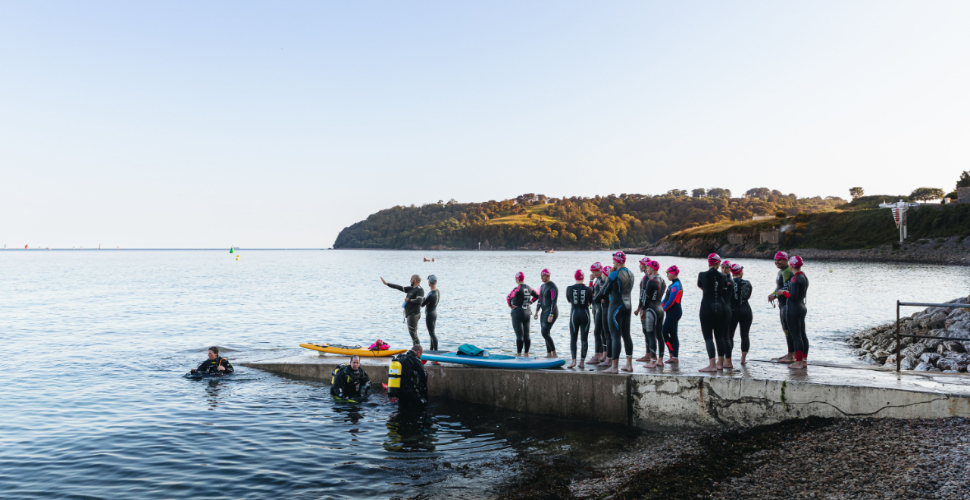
point(788, 358)
point(744, 357)
point(606, 362)
point(660, 363)
point(652, 364)
point(645, 358)
point(595, 359)
point(673, 360)
point(710, 368)
point(582, 364)
point(728, 365)
point(573, 364)
point(719, 366)
point(611, 370)
point(628, 367)
point(798, 365)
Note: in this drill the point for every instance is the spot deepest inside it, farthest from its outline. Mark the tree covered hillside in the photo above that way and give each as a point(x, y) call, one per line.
point(535, 221)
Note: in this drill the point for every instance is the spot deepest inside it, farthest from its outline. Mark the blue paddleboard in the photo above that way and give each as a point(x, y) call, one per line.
point(494, 360)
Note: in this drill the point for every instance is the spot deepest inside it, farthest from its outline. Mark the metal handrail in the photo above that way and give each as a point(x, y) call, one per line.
point(920, 304)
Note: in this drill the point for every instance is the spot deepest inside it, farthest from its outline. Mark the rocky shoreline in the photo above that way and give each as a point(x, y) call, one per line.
point(952, 251)
point(878, 345)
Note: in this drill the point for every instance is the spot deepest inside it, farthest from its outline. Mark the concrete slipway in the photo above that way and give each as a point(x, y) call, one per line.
point(678, 397)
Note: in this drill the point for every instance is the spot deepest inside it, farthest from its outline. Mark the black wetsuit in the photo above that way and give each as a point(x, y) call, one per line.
point(430, 305)
point(797, 291)
point(580, 297)
point(520, 300)
point(781, 286)
point(414, 380)
point(741, 314)
point(548, 298)
point(350, 383)
point(619, 285)
point(714, 310)
point(672, 314)
point(211, 367)
point(412, 308)
point(652, 313)
point(599, 318)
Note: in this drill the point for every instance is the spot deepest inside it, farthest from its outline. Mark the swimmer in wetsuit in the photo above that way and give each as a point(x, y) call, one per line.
point(412, 305)
point(796, 293)
point(548, 298)
point(672, 313)
point(430, 305)
point(604, 318)
point(651, 312)
point(725, 324)
point(215, 365)
point(520, 300)
point(781, 285)
point(580, 297)
point(712, 311)
point(741, 314)
point(595, 282)
point(619, 284)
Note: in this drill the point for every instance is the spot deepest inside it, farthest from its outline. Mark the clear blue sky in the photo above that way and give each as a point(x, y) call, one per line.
point(264, 124)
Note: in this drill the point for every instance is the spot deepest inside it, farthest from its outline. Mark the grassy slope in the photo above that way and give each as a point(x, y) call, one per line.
point(535, 210)
point(847, 230)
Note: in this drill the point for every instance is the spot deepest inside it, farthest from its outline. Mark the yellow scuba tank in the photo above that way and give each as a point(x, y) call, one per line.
point(394, 378)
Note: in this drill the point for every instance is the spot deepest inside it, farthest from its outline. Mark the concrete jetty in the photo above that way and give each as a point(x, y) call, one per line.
point(678, 397)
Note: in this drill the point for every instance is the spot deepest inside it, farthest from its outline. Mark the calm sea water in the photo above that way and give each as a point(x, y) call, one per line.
point(94, 406)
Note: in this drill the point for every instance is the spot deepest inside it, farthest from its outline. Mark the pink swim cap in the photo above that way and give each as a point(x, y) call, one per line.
point(619, 257)
point(596, 267)
point(654, 265)
point(781, 256)
point(645, 261)
point(736, 269)
point(520, 276)
point(713, 259)
point(606, 270)
point(673, 270)
point(579, 275)
point(795, 261)
point(726, 263)
point(545, 272)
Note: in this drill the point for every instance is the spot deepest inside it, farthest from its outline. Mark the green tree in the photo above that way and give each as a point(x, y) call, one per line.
point(762, 193)
point(698, 193)
point(964, 180)
point(781, 214)
point(856, 193)
point(926, 194)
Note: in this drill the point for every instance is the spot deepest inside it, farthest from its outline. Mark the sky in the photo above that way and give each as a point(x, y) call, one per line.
point(271, 124)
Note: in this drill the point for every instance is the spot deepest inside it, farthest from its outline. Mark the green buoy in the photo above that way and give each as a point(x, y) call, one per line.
point(230, 249)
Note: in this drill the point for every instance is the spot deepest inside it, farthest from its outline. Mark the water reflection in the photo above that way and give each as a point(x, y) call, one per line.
point(411, 429)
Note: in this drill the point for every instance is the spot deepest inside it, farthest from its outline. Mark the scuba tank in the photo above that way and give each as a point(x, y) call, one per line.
point(394, 378)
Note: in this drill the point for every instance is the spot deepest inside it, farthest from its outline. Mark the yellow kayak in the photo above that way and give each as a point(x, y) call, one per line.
point(350, 351)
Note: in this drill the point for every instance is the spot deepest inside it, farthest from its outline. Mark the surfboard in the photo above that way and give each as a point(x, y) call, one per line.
point(494, 360)
point(351, 350)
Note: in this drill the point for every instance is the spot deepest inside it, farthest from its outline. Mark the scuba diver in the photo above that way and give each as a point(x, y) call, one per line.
point(712, 311)
point(672, 313)
point(619, 283)
point(414, 380)
point(781, 286)
point(430, 305)
point(595, 282)
point(651, 312)
point(796, 293)
point(548, 298)
point(520, 300)
point(349, 381)
point(579, 297)
point(215, 365)
point(741, 314)
point(412, 305)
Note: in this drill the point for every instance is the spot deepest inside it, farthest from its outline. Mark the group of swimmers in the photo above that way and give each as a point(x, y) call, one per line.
point(604, 306)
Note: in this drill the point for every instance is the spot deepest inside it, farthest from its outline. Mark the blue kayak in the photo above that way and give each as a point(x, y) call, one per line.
point(494, 361)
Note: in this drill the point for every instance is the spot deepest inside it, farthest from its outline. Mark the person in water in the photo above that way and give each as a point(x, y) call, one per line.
point(781, 286)
point(580, 297)
point(741, 314)
point(414, 380)
point(651, 312)
point(215, 365)
point(672, 313)
point(619, 284)
point(520, 301)
point(712, 311)
point(604, 317)
point(796, 309)
point(595, 282)
point(350, 381)
point(725, 325)
point(430, 305)
point(548, 308)
point(412, 305)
